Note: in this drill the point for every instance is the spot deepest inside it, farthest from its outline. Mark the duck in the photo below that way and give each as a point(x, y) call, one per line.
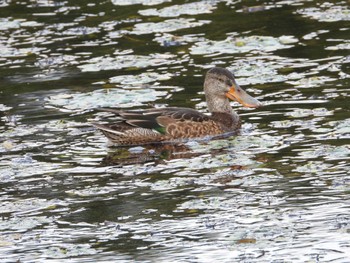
point(170, 124)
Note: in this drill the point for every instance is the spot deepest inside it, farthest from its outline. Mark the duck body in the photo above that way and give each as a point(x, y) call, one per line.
point(161, 125)
point(166, 125)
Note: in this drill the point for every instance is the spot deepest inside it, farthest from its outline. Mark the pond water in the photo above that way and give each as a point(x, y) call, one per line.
point(278, 192)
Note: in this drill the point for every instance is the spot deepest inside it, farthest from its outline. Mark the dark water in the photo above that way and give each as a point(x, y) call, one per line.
point(279, 192)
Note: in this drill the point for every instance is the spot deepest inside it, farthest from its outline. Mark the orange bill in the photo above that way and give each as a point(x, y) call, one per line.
point(238, 94)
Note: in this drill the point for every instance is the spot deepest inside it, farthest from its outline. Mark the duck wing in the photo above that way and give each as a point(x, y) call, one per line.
point(157, 119)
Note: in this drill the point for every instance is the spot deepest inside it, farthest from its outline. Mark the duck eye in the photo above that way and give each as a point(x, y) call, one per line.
point(228, 82)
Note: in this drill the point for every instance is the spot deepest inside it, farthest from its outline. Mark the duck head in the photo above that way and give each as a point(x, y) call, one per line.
point(219, 85)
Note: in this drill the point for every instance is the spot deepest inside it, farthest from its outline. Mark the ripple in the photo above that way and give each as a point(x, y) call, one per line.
point(105, 98)
point(329, 152)
point(138, 2)
point(195, 8)
point(169, 25)
point(233, 45)
point(168, 40)
point(127, 61)
point(327, 12)
point(11, 52)
point(3, 107)
point(341, 46)
point(143, 78)
point(275, 192)
point(79, 31)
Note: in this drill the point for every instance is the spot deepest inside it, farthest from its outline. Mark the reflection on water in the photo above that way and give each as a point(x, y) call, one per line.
point(149, 153)
point(279, 191)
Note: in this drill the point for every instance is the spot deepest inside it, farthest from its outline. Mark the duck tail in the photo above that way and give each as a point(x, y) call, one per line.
point(107, 129)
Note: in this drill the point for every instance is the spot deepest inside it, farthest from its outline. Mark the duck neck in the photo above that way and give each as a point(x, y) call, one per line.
point(223, 114)
point(218, 104)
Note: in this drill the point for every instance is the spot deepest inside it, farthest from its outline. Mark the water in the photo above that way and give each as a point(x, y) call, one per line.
point(278, 192)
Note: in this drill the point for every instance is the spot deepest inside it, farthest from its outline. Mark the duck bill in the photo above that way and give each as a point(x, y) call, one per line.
point(238, 94)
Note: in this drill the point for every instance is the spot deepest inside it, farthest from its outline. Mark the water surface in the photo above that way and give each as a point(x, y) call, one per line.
point(278, 192)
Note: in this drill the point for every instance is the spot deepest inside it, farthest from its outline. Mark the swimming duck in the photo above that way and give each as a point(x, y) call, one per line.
point(174, 123)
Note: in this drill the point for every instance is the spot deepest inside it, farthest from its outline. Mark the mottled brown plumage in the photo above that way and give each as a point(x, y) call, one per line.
point(171, 124)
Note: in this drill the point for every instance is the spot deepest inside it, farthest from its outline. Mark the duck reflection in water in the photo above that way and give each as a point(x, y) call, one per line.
point(156, 153)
